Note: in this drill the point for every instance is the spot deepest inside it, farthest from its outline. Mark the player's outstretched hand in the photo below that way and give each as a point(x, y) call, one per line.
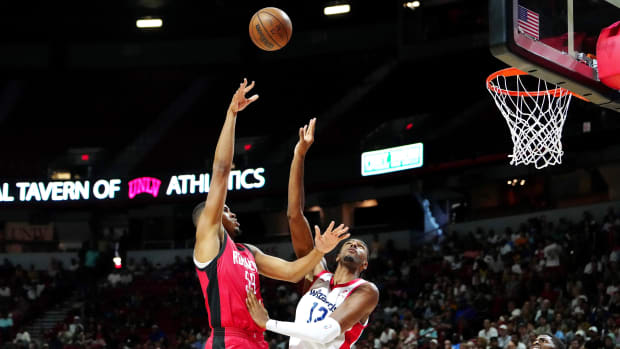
point(257, 310)
point(239, 100)
point(306, 137)
point(329, 240)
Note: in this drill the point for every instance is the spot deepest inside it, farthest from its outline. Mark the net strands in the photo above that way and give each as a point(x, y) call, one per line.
point(535, 117)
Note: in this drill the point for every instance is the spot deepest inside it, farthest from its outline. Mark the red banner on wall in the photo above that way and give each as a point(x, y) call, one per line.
point(19, 231)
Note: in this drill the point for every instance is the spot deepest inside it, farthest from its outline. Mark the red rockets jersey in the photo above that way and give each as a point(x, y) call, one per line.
point(224, 283)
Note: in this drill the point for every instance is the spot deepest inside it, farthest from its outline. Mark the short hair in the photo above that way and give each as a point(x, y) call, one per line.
point(197, 212)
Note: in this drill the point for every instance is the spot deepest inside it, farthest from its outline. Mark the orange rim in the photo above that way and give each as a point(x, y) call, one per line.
point(508, 72)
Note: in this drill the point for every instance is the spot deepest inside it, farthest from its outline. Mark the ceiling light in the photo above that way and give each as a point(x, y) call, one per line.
point(149, 23)
point(412, 4)
point(336, 9)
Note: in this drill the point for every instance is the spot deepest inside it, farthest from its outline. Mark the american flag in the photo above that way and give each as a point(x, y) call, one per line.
point(528, 22)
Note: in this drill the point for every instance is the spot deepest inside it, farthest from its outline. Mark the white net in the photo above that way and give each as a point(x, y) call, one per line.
point(535, 115)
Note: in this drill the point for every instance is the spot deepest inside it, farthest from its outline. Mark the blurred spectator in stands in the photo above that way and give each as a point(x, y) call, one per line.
point(543, 326)
point(467, 345)
point(31, 292)
point(22, 339)
point(488, 331)
point(76, 326)
point(574, 344)
point(33, 274)
point(114, 278)
point(388, 334)
point(544, 311)
point(593, 340)
point(553, 268)
point(408, 333)
point(64, 335)
point(73, 266)
point(427, 333)
point(580, 336)
point(53, 268)
point(6, 324)
point(5, 294)
point(375, 247)
point(493, 343)
point(157, 336)
point(481, 343)
point(503, 337)
point(609, 341)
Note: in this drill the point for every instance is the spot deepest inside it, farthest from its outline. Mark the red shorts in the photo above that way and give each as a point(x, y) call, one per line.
point(234, 338)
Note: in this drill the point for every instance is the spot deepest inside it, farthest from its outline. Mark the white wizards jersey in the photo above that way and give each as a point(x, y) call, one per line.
point(319, 302)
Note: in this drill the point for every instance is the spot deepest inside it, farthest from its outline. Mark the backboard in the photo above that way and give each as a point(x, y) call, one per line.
point(555, 40)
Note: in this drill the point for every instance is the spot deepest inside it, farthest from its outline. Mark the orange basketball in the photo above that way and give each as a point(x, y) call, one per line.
point(270, 29)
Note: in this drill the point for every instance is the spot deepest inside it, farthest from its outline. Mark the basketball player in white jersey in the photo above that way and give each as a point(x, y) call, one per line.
point(335, 309)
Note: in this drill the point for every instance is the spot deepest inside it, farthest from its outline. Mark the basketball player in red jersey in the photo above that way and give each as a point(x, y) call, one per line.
point(227, 271)
point(335, 310)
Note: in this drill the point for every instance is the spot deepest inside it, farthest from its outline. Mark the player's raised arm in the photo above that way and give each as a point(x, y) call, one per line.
point(301, 234)
point(355, 309)
point(280, 269)
point(209, 230)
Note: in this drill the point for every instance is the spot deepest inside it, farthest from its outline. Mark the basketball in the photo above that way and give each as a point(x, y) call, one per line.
point(270, 29)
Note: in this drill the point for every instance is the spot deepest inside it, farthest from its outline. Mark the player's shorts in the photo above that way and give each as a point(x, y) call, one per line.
point(234, 338)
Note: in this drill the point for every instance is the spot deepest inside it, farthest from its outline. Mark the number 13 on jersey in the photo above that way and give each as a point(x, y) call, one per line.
point(322, 312)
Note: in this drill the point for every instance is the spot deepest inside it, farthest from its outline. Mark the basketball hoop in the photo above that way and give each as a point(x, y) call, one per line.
point(535, 115)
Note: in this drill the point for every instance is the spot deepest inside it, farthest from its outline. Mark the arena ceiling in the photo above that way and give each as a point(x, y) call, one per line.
point(78, 76)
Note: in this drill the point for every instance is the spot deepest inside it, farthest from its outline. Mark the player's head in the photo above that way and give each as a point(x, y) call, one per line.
point(353, 255)
point(229, 219)
point(546, 341)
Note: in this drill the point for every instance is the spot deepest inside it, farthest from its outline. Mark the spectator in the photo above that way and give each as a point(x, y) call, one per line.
point(387, 335)
point(552, 253)
point(580, 336)
point(5, 292)
point(488, 331)
point(543, 326)
point(65, 336)
point(157, 335)
point(428, 333)
point(73, 266)
point(481, 343)
point(493, 343)
point(593, 340)
point(574, 344)
point(6, 324)
point(22, 339)
point(114, 278)
point(503, 338)
point(76, 326)
point(467, 345)
point(610, 342)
